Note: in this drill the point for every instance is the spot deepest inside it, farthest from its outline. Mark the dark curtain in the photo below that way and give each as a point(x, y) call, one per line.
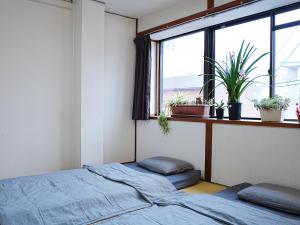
point(141, 100)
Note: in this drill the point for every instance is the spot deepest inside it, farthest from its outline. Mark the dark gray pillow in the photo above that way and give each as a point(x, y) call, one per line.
point(165, 165)
point(273, 196)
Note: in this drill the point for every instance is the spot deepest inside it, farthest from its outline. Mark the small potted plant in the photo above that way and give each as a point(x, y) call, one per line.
point(298, 112)
point(181, 106)
point(272, 109)
point(220, 109)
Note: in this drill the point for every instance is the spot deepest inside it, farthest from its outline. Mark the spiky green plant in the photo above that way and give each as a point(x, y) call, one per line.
point(220, 105)
point(235, 74)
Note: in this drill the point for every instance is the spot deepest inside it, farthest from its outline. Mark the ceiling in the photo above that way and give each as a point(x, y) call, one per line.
point(137, 8)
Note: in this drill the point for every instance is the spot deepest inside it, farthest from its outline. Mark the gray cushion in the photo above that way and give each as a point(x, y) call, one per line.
point(165, 165)
point(273, 196)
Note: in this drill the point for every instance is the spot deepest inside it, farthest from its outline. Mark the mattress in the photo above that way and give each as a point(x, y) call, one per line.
point(231, 194)
point(180, 180)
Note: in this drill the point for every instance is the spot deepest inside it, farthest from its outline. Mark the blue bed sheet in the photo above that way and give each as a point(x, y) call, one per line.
point(70, 197)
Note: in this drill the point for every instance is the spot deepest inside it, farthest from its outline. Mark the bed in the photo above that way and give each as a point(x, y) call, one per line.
point(180, 180)
point(114, 194)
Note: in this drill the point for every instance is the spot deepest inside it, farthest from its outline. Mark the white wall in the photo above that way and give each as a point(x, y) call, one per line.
point(184, 8)
point(89, 49)
point(104, 43)
point(119, 84)
point(186, 141)
point(255, 154)
point(66, 83)
point(221, 2)
point(36, 87)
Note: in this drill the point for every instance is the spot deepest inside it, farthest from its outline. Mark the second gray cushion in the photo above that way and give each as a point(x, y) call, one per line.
point(273, 196)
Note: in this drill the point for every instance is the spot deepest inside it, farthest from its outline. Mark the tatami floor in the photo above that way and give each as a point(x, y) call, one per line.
point(204, 187)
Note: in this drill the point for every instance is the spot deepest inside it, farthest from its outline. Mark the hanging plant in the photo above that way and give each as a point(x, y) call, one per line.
point(163, 123)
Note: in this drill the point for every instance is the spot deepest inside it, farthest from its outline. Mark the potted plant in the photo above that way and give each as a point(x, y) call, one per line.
point(234, 75)
point(272, 109)
point(298, 112)
point(220, 109)
point(181, 106)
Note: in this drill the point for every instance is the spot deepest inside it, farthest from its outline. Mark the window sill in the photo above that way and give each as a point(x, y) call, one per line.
point(242, 122)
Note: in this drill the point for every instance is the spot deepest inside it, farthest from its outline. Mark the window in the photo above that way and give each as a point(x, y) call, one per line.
point(183, 60)
point(153, 78)
point(231, 38)
point(287, 17)
point(287, 60)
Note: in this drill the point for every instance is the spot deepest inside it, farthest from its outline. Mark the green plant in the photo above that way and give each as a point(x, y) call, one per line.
point(178, 99)
point(220, 105)
point(234, 75)
point(163, 123)
point(275, 103)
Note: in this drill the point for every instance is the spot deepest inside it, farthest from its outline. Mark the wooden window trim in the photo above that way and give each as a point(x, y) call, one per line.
point(257, 123)
point(208, 151)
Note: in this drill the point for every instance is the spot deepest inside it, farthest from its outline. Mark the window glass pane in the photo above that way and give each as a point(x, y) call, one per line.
point(153, 78)
point(230, 39)
point(287, 66)
point(183, 62)
point(287, 17)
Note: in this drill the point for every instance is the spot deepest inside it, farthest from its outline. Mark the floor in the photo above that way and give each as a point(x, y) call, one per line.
point(204, 187)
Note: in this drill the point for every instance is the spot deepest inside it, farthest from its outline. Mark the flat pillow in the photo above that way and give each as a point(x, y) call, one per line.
point(273, 196)
point(165, 165)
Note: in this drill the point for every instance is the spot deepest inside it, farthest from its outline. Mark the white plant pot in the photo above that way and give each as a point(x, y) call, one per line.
point(272, 115)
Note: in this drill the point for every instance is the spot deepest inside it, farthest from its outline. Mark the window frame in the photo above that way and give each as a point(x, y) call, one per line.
point(209, 51)
point(241, 21)
point(160, 66)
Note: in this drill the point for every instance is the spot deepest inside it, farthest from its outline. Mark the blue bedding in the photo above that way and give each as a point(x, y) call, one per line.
point(67, 197)
point(198, 210)
point(115, 194)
